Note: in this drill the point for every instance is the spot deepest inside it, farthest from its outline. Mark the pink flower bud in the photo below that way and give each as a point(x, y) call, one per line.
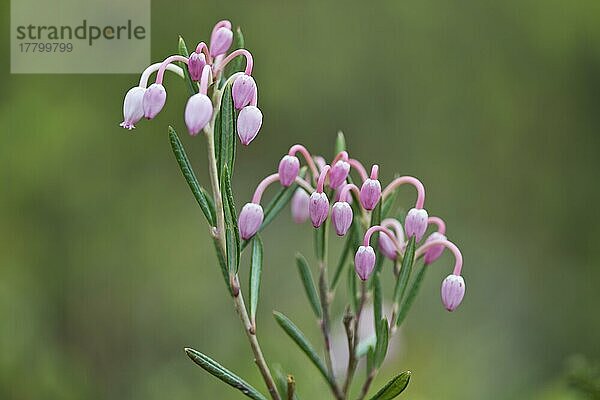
point(243, 91)
point(198, 113)
point(318, 208)
point(248, 124)
point(154, 100)
point(132, 107)
point(220, 41)
point(364, 262)
point(434, 252)
point(338, 174)
point(387, 247)
point(341, 217)
point(300, 202)
point(288, 169)
point(453, 291)
point(250, 220)
point(415, 223)
point(196, 63)
point(370, 192)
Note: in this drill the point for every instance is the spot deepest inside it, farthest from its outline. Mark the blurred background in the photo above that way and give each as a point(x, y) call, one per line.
point(106, 268)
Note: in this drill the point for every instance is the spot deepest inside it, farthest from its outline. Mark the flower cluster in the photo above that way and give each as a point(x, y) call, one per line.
point(334, 181)
point(205, 67)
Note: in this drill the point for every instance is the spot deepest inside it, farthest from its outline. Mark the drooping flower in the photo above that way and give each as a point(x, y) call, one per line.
point(370, 192)
point(288, 169)
point(243, 91)
point(248, 124)
point(453, 291)
point(220, 41)
point(300, 203)
point(338, 174)
point(198, 113)
point(250, 220)
point(196, 63)
point(434, 252)
point(415, 223)
point(154, 100)
point(133, 111)
point(341, 217)
point(364, 262)
point(318, 208)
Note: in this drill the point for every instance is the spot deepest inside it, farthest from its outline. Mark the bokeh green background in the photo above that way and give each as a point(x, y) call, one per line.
point(106, 269)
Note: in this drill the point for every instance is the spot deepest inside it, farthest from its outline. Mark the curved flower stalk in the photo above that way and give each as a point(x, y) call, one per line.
point(223, 104)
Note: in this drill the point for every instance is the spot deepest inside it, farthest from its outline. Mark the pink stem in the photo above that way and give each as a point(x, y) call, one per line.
point(264, 184)
point(346, 189)
point(379, 228)
point(163, 66)
point(298, 148)
point(458, 259)
point(322, 177)
point(374, 172)
point(153, 68)
point(439, 222)
point(394, 223)
point(412, 181)
point(342, 155)
point(203, 48)
point(234, 54)
point(205, 79)
point(359, 168)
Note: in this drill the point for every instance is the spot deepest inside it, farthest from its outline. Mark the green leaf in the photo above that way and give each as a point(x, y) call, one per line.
point(202, 197)
point(370, 359)
point(343, 257)
point(183, 50)
point(407, 262)
point(237, 64)
point(377, 302)
point(340, 142)
point(382, 342)
point(388, 203)
point(412, 294)
point(232, 235)
point(255, 274)
point(225, 132)
point(394, 387)
point(299, 338)
point(321, 241)
point(308, 283)
point(218, 371)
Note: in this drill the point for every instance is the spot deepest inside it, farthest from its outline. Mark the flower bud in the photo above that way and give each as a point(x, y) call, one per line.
point(453, 291)
point(338, 174)
point(248, 124)
point(250, 220)
point(370, 192)
point(387, 247)
point(341, 216)
point(300, 202)
point(288, 170)
point(198, 112)
point(154, 100)
point(132, 107)
point(243, 91)
point(318, 208)
point(415, 223)
point(364, 262)
point(220, 41)
point(196, 63)
point(434, 252)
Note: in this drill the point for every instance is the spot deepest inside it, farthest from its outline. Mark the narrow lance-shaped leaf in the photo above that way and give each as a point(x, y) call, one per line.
point(393, 388)
point(232, 235)
point(321, 241)
point(343, 257)
point(225, 132)
point(183, 50)
point(223, 265)
point(411, 295)
point(201, 196)
point(218, 371)
point(237, 64)
point(388, 204)
point(299, 338)
point(407, 262)
point(308, 283)
point(382, 342)
point(255, 274)
point(377, 302)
